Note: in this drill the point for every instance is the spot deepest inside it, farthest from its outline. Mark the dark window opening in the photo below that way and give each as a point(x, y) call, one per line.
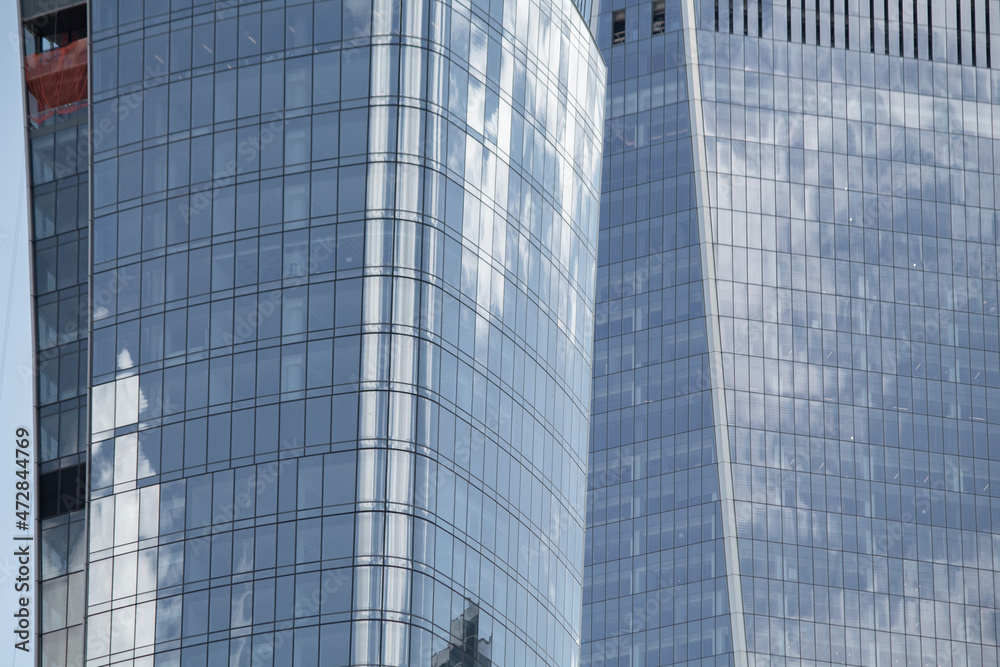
point(58, 29)
point(803, 10)
point(973, 32)
point(819, 34)
point(847, 26)
point(660, 17)
point(989, 58)
point(618, 27)
point(958, 19)
point(871, 25)
point(62, 491)
point(885, 25)
point(930, 31)
point(833, 23)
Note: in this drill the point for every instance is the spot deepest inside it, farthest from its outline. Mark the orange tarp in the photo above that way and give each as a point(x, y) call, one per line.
point(58, 78)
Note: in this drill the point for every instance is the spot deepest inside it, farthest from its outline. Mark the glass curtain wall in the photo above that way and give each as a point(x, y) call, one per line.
point(845, 163)
point(655, 589)
point(54, 39)
point(343, 270)
point(850, 156)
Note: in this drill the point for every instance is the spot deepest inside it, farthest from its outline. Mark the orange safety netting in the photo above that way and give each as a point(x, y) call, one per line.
point(58, 79)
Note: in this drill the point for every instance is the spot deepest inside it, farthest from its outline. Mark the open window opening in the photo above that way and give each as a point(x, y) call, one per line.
point(63, 491)
point(618, 27)
point(659, 17)
point(55, 62)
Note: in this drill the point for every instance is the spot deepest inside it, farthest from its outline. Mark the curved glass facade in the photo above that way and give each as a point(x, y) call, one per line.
point(844, 163)
point(343, 273)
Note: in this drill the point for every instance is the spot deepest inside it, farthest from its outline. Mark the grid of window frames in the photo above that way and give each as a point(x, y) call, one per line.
point(856, 248)
point(855, 252)
point(343, 267)
point(60, 247)
point(654, 585)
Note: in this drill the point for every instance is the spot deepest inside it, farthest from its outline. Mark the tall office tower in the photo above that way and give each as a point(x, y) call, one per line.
point(341, 267)
point(796, 429)
point(54, 39)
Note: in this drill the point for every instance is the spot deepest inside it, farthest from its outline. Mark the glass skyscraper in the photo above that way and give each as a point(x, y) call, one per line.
point(325, 272)
point(795, 449)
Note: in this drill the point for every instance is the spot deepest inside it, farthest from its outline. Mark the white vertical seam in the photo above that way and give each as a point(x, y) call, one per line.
point(714, 340)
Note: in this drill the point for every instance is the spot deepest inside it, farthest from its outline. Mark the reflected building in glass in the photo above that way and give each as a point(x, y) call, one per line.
point(329, 271)
point(796, 419)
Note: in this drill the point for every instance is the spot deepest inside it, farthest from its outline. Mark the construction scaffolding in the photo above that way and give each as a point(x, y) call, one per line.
point(57, 80)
